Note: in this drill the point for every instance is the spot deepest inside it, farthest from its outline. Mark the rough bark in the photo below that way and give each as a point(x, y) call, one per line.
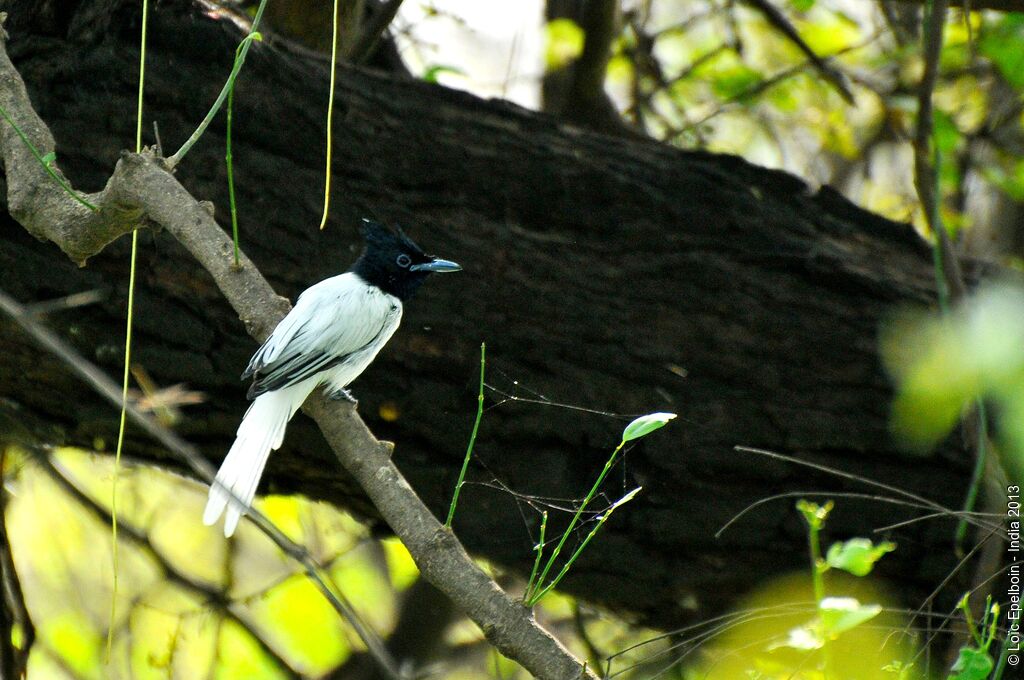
point(620, 275)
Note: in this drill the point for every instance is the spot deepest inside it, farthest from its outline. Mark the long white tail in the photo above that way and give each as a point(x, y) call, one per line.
point(261, 431)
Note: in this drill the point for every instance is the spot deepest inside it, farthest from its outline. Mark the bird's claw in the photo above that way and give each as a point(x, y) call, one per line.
point(343, 395)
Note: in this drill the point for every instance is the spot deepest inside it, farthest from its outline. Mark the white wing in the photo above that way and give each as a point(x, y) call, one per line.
point(332, 321)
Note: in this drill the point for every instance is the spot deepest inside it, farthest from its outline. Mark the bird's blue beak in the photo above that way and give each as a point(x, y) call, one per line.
point(436, 265)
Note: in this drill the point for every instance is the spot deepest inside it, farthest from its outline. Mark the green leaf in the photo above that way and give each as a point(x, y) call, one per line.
point(840, 614)
point(806, 638)
point(945, 132)
point(1001, 44)
point(801, 5)
point(49, 158)
point(858, 555)
point(565, 42)
point(972, 664)
point(644, 425)
point(735, 82)
point(942, 364)
point(432, 72)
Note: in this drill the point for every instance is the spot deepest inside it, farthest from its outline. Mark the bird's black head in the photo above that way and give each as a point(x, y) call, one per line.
point(393, 263)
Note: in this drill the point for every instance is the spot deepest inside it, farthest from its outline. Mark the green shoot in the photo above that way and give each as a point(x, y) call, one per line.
point(835, 615)
point(531, 598)
point(228, 158)
point(638, 428)
point(536, 597)
point(174, 160)
point(974, 661)
point(330, 118)
point(472, 439)
point(46, 162)
point(815, 516)
point(539, 549)
point(976, 476)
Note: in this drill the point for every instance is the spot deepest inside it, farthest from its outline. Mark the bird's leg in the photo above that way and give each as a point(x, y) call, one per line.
point(341, 394)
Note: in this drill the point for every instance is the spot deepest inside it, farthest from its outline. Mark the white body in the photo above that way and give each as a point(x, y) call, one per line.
point(332, 334)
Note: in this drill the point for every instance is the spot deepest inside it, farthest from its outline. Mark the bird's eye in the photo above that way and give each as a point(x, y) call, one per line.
point(403, 261)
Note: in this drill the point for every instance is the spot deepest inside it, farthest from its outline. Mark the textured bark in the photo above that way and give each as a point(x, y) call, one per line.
point(620, 275)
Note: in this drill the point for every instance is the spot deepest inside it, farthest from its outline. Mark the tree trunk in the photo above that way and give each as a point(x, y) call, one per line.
point(619, 275)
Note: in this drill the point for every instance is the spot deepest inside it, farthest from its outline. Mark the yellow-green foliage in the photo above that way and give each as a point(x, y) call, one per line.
point(943, 364)
point(753, 646)
point(163, 629)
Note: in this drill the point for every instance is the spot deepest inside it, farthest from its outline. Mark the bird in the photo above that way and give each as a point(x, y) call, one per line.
point(330, 336)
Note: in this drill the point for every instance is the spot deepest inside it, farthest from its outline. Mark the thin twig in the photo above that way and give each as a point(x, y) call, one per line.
point(776, 18)
point(173, 161)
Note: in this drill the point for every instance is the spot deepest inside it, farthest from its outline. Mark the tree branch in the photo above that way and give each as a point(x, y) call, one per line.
point(576, 91)
point(925, 171)
point(830, 73)
point(40, 204)
point(384, 13)
point(142, 183)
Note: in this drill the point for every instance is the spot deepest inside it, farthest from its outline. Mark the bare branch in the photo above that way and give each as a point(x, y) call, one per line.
point(576, 91)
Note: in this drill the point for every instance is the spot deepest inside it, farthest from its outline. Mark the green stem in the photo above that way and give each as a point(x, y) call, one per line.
point(818, 568)
point(228, 158)
point(576, 518)
point(228, 155)
point(534, 599)
point(174, 160)
point(539, 549)
point(472, 439)
point(977, 475)
point(42, 161)
point(127, 344)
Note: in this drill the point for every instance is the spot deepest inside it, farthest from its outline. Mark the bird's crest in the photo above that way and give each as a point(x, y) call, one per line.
point(378, 236)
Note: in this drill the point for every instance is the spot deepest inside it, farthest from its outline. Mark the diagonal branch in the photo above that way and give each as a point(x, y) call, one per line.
point(142, 182)
point(106, 387)
point(829, 72)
